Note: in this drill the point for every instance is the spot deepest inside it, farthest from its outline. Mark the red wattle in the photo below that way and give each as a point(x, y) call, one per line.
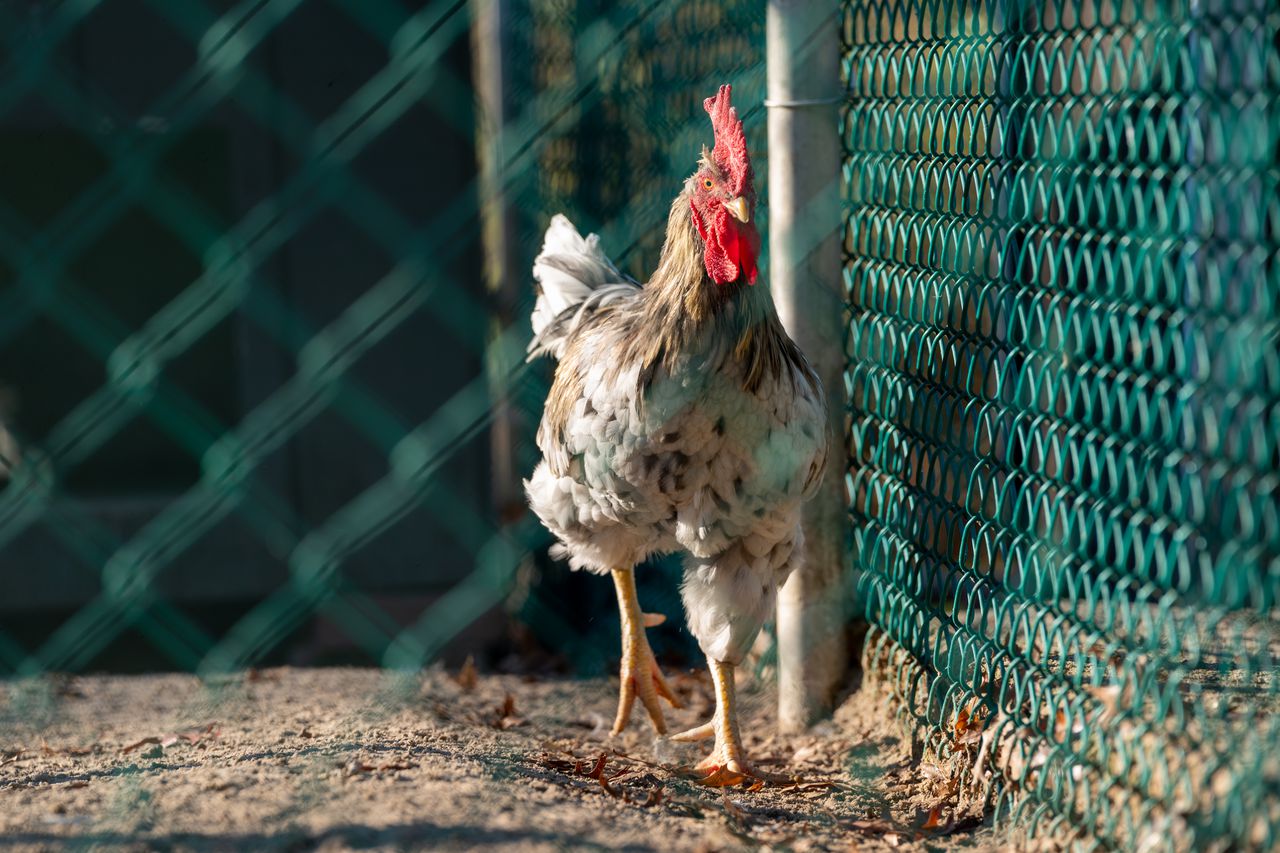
point(728, 249)
point(749, 253)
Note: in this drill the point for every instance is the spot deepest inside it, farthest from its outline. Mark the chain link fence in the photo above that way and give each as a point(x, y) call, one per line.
point(249, 362)
point(198, 422)
point(1063, 261)
point(253, 381)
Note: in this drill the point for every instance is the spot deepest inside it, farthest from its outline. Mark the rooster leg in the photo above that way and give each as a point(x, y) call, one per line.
point(640, 674)
point(727, 753)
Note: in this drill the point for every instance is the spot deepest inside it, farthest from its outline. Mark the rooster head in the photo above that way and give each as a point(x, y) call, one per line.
point(722, 198)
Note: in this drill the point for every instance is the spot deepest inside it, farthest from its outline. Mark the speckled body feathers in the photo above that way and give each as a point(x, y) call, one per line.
point(681, 419)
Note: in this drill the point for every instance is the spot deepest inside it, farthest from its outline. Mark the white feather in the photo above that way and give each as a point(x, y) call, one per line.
point(575, 277)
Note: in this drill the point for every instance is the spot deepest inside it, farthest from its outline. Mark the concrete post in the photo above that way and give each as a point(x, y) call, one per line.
point(803, 52)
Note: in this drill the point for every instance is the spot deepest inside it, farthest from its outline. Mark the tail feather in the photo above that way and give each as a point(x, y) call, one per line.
point(575, 278)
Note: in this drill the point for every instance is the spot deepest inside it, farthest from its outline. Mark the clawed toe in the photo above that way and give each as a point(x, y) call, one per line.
point(649, 687)
point(640, 674)
point(702, 732)
point(725, 765)
point(717, 766)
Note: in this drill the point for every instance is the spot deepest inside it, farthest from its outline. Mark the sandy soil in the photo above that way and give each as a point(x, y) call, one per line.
point(345, 758)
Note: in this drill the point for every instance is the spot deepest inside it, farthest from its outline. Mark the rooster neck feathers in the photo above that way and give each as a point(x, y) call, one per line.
point(684, 313)
point(698, 312)
point(681, 314)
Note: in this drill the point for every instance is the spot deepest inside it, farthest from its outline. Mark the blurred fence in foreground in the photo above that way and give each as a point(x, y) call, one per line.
point(249, 356)
point(259, 349)
point(1063, 263)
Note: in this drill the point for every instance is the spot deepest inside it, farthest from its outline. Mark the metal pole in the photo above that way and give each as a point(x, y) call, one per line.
point(803, 53)
point(493, 107)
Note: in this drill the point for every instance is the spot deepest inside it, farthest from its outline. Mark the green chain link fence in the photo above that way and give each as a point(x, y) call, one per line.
point(1063, 262)
point(224, 91)
point(1062, 236)
point(246, 342)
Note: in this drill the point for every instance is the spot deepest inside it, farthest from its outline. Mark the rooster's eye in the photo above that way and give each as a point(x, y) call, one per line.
point(707, 182)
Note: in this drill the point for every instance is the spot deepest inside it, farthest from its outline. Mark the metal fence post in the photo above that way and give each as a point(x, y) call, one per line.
point(490, 51)
point(803, 52)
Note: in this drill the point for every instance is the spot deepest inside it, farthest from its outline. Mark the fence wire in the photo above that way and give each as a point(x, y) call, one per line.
point(1062, 234)
point(600, 120)
point(234, 279)
point(1063, 264)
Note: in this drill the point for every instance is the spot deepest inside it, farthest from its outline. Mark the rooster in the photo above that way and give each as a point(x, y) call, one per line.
point(682, 418)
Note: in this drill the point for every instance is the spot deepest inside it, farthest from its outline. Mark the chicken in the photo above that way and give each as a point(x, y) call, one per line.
point(682, 418)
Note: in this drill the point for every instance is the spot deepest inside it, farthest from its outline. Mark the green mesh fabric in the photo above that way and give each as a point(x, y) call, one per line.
point(1062, 249)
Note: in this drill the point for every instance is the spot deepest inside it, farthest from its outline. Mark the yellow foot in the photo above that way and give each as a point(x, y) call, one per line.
point(702, 732)
point(641, 677)
point(640, 674)
point(726, 758)
point(722, 761)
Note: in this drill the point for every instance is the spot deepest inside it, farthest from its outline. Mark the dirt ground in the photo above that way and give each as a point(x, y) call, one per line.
point(350, 758)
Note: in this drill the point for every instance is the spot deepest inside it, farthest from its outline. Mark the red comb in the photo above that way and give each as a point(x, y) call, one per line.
point(730, 153)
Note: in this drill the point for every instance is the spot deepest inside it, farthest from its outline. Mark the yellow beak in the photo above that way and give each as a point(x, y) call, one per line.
point(738, 207)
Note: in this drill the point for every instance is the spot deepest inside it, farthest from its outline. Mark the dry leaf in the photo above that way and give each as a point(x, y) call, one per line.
point(396, 765)
point(506, 716)
point(934, 772)
point(467, 677)
point(193, 736)
point(722, 777)
point(65, 750)
point(932, 821)
point(146, 740)
point(597, 773)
